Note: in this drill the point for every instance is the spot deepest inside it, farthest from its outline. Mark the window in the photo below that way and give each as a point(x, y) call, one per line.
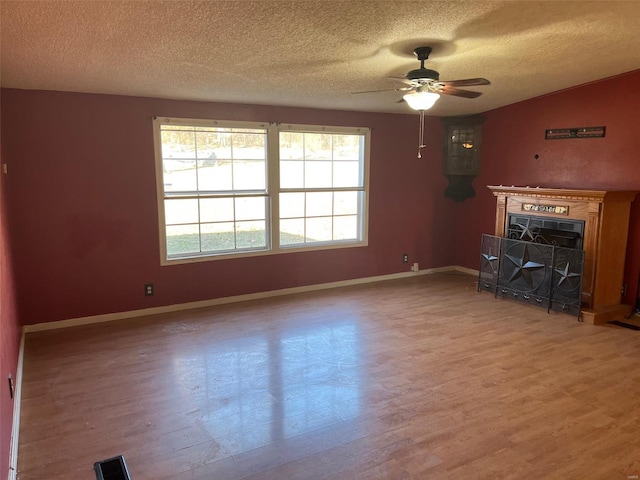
point(240, 188)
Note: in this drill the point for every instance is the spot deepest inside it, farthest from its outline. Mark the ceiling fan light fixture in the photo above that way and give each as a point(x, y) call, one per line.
point(421, 101)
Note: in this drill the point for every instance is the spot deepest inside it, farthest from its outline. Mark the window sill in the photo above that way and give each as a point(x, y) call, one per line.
point(259, 253)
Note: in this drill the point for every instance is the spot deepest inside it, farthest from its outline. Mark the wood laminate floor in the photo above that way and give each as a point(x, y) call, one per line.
point(422, 378)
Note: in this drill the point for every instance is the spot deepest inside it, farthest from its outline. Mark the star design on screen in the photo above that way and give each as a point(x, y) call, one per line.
point(490, 258)
point(526, 231)
point(565, 274)
point(524, 266)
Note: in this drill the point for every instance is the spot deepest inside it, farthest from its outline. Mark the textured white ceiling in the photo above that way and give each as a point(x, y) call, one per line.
point(315, 53)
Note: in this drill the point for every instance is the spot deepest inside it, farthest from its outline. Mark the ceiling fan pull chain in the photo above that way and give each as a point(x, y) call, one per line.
point(421, 144)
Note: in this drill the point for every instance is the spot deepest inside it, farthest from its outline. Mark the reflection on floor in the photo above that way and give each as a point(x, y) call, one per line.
point(267, 388)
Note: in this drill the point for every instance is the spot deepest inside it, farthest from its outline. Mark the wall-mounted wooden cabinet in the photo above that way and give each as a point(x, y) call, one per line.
point(461, 155)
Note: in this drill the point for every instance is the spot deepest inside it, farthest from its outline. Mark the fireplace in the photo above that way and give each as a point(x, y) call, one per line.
point(595, 221)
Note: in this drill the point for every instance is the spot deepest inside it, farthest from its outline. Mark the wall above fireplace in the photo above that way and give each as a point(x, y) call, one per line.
point(605, 215)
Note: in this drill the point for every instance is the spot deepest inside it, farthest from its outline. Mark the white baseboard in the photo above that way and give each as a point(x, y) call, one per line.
point(15, 429)
point(109, 317)
point(468, 271)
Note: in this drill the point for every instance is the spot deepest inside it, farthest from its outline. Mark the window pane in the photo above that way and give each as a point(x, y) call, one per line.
point(216, 210)
point(346, 147)
point(249, 175)
point(291, 231)
point(345, 228)
point(346, 174)
point(178, 144)
point(209, 144)
point(318, 229)
point(177, 211)
point(291, 205)
point(250, 208)
point(251, 235)
point(217, 236)
point(250, 146)
point(291, 174)
point(215, 175)
point(329, 161)
point(317, 146)
point(223, 149)
point(179, 175)
point(291, 145)
point(317, 175)
point(183, 239)
point(345, 203)
point(319, 204)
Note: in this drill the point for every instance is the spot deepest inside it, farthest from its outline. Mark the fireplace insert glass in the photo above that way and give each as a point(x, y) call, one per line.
point(549, 231)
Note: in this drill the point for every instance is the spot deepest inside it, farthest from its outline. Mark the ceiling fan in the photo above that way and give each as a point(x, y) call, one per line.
point(424, 88)
point(423, 80)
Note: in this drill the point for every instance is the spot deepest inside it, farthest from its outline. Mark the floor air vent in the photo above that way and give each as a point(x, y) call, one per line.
point(112, 469)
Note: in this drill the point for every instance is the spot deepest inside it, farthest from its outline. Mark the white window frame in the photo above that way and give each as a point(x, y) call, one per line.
point(272, 189)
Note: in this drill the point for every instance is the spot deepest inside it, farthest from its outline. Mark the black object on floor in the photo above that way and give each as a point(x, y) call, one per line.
point(625, 325)
point(112, 469)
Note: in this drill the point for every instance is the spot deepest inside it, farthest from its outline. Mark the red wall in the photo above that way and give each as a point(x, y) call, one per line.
point(84, 215)
point(513, 135)
point(9, 334)
point(83, 218)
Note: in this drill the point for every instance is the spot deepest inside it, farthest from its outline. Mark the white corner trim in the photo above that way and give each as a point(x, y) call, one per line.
point(108, 317)
point(15, 429)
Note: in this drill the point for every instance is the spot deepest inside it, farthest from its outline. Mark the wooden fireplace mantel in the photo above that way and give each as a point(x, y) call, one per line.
point(605, 214)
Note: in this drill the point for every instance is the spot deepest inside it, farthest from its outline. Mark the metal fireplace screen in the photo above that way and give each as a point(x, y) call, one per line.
point(545, 275)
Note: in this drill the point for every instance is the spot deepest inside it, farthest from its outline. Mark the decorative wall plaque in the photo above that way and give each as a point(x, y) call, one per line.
point(579, 132)
point(559, 209)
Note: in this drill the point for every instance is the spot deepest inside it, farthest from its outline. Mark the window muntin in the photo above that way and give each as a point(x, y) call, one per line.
point(322, 187)
point(314, 217)
point(214, 194)
point(241, 188)
point(321, 160)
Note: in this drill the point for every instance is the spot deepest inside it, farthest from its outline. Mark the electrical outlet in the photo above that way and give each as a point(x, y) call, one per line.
point(11, 387)
point(405, 258)
point(148, 289)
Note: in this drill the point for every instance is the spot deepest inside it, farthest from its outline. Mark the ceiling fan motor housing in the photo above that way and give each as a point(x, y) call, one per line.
point(423, 73)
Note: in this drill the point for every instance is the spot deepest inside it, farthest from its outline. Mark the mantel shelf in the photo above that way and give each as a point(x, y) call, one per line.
point(563, 193)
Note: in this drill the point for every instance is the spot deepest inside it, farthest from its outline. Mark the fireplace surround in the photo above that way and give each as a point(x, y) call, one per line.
point(599, 221)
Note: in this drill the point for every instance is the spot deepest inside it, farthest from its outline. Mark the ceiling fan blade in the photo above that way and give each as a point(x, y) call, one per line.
point(457, 92)
point(467, 82)
point(401, 89)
